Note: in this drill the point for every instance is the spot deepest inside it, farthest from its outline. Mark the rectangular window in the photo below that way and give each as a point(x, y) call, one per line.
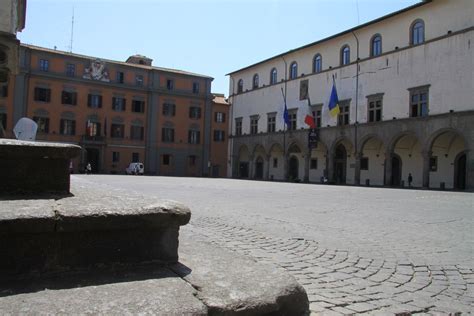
point(253, 124)
point(137, 132)
point(67, 127)
point(138, 106)
point(343, 116)
point(43, 124)
point(169, 109)
point(94, 101)
point(42, 94)
point(92, 128)
point(292, 116)
point(3, 121)
point(192, 160)
point(118, 104)
point(115, 156)
point(120, 77)
point(364, 163)
point(167, 134)
point(238, 126)
point(44, 65)
point(219, 117)
point(139, 80)
point(169, 84)
point(219, 136)
point(271, 123)
point(117, 130)
point(375, 109)
point(194, 112)
point(69, 98)
point(135, 157)
point(166, 160)
point(194, 137)
point(4, 91)
point(70, 70)
point(419, 102)
point(275, 162)
point(316, 111)
point(434, 163)
point(196, 87)
point(314, 163)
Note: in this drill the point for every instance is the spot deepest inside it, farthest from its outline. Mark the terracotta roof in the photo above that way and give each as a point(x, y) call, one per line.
point(59, 52)
point(219, 98)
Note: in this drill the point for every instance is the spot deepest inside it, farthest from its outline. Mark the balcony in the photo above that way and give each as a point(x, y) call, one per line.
point(93, 139)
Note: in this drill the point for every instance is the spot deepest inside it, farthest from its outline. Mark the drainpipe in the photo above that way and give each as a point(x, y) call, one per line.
point(231, 139)
point(357, 154)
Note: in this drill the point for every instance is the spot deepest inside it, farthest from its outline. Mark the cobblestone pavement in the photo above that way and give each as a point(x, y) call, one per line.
point(355, 250)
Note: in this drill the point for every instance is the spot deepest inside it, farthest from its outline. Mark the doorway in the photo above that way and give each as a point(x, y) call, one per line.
point(340, 163)
point(93, 157)
point(243, 169)
point(294, 167)
point(460, 172)
point(259, 168)
point(396, 171)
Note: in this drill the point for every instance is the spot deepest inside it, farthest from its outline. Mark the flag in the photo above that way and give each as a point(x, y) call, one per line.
point(88, 128)
point(286, 116)
point(333, 101)
point(309, 119)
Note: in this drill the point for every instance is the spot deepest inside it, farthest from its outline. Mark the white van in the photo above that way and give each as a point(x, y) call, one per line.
point(136, 168)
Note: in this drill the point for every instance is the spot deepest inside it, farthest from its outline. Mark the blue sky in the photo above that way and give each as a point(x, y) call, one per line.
point(210, 37)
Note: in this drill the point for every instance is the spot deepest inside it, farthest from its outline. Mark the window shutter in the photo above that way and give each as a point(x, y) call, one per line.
point(199, 112)
point(36, 93)
point(89, 100)
point(61, 127)
point(198, 141)
point(223, 117)
point(124, 104)
point(100, 101)
point(190, 112)
point(48, 95)
point(174, 109)
point(73, 128)
point(114, 102)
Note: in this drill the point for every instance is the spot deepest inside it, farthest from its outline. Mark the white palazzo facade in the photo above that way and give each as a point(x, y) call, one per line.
point(405, 88)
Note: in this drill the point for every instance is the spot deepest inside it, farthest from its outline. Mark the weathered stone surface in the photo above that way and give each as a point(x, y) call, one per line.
point(93, 226)
point(163, 293)
point(231, 284)
point(35, 167)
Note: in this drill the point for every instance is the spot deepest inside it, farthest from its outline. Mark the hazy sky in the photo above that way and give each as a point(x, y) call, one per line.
point(209, 37)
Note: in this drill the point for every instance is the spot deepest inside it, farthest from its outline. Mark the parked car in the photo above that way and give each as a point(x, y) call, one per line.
point(136, 168)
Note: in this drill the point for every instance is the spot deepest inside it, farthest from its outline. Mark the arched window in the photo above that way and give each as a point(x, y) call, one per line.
point(376, 45)
point(273, 76)
point(240, 86)
point(345, 55)
point(293, 70)
point(255, 81)
point(317, 63)
point(417, 33)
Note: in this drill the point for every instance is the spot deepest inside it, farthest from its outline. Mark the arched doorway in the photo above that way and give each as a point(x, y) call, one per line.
point(293, 168)
point(340, 163)
point(396, 171)
point(259, 168)
point(460, 172)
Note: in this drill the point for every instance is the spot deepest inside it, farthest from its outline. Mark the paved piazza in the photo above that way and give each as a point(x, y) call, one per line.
point(354, 249)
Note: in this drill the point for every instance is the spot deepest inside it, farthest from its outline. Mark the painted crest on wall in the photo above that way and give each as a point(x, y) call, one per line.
point(96, 71)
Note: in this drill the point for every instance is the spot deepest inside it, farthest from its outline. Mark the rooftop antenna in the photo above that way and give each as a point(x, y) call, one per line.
point(72, 30)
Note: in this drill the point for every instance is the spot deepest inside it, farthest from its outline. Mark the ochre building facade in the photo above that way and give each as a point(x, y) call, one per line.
point(118, 112)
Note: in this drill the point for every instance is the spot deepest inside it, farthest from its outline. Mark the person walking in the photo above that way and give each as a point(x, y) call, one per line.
point(410, 179)
point(88, 168)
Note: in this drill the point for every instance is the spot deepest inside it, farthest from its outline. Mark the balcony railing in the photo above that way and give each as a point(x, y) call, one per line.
point(96, 139)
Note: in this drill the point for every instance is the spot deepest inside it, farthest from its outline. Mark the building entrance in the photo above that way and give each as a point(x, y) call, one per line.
point(93, 155)
point(243, 169)
point(340, 164)
point(259, 168)
point(460, 172)
point(293, 172)
point(396, 171)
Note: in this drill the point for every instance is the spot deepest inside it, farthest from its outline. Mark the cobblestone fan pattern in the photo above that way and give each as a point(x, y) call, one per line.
point(339, 282)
